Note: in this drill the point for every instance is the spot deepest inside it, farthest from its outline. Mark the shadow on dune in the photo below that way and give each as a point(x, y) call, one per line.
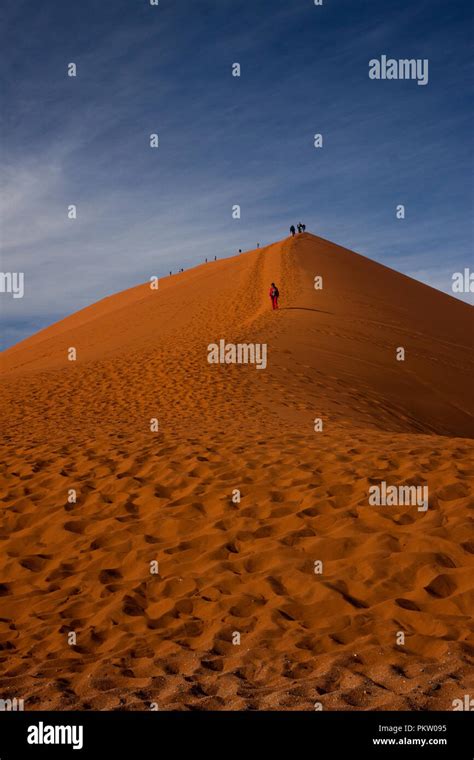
point(304, 308)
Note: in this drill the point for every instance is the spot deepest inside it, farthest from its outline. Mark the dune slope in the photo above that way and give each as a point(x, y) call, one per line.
point(236, 616)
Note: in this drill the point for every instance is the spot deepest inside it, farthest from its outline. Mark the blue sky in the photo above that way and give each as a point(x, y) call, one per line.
point(225, 140)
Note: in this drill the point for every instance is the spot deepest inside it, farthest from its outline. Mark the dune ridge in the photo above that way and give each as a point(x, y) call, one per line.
point(245, 567)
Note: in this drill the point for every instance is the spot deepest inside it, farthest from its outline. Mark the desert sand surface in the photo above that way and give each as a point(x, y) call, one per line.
point(247, 567)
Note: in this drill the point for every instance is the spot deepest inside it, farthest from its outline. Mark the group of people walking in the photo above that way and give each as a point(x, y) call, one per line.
point(274, 292)
point(300, 227)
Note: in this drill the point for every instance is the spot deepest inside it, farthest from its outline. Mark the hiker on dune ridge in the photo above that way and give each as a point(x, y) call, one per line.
point(274, 294)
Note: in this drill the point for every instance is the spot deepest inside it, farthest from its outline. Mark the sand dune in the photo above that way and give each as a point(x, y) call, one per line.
point(247, 567)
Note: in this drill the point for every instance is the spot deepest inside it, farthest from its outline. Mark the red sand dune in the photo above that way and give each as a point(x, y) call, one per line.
point(245, 567)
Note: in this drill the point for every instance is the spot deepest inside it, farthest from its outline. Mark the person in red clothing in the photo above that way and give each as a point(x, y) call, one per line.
point(274, 293)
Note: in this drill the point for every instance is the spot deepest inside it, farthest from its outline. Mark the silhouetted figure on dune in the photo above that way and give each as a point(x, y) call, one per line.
point(292, 230)
point(274, 293)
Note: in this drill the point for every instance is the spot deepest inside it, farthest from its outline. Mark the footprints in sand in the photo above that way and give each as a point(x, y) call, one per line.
point(442, 586)
point(246, 567)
